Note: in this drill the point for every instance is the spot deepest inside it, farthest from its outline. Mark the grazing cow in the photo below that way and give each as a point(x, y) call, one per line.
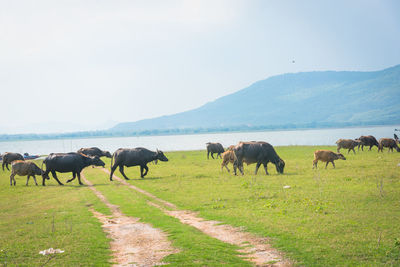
point(214, 148)
point(388, 142)
point(68, 162)
point(9, 157)
point(94, 151)
point(326, 156)
point(368, 140)
point(22, 168)
point(257, 152)
point(347, 144)
point(134, 157)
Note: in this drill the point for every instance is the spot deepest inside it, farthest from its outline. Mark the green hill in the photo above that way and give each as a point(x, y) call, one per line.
point(309, 99)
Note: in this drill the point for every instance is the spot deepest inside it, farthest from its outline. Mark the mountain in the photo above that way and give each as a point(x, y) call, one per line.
point(307, 100)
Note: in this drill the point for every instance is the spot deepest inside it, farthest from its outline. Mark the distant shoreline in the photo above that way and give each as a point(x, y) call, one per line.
point(169, 132)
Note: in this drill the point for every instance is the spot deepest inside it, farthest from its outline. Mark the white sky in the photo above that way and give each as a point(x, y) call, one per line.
point(80, 65)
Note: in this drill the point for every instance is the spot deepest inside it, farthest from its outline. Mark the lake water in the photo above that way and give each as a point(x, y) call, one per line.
point(198, 141)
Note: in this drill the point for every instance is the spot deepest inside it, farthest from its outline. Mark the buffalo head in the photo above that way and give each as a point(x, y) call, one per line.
point(107, 154)
point(340, 156)
point(280, 165)
point(96, 161)
point(161, 156)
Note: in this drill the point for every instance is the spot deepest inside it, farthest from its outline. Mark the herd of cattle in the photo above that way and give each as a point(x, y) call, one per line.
point(257, 152)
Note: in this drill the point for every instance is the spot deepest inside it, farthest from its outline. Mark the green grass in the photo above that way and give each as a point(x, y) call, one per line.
point(36, 218)
point(345, 216)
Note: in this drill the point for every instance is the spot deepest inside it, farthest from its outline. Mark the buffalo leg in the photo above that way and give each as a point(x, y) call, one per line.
point(224, 165)
point(6, 164)
point(333, 163)
point(208, 156)
point(79, 178)
point(27, 180)
point(112, 171)
point(326, 164)
point(257, 166)
point(314, 164)
point(121, 170)
point(55, 177)
point(212, 155)
point(143, 167)
point(354, 151)
point(11, 179)
point(73, 177)
point(34, 178)
point(265, 168)
point(44, 176)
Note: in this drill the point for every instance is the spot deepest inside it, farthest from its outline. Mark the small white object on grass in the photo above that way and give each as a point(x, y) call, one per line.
point(51, 251)
point(286, 186)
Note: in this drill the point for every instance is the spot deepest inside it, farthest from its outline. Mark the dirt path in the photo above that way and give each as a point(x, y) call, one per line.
point(133, 243)
point(256, 249)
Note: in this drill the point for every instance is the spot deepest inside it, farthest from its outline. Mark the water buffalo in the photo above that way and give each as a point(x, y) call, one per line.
point(214, 148)
point(22, 168)
point(326, 156)
point(9, 157)
point(68, 162)
point(94, 151)
point(134, 157)
point(347, 144)
point(368, 140)
point(257, 152)
point(389, 143)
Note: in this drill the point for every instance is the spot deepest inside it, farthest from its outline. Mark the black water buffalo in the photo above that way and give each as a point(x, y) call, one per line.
point(257, 152)
point(9, 157)
point(368, 140)
point(214, 148)
point(94, 151)
point(68, 162)
point(134, 157)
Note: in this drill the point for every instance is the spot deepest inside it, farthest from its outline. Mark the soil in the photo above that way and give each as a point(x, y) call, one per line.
point(133, 243)
point(254, 248)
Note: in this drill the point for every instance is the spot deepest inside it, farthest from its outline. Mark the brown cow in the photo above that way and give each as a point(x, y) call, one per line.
point(326, 156)
point(388, 142)
point(9, 157)
point(227, 157)
point(22, 168)
point(347, 144)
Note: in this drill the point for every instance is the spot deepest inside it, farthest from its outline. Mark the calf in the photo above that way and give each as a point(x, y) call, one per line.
point(326, 156)
point(388, 142)
point(227, 157)
point(22, 168)
point(347, 144)
point(9, 157)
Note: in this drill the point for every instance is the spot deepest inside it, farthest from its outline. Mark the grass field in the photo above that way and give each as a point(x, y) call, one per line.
point(343, 216)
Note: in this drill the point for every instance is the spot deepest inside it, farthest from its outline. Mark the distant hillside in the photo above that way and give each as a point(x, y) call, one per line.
point(306, 100)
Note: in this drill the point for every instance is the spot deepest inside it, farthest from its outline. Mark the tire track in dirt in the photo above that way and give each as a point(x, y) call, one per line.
point(255, 249)
point(133, 243)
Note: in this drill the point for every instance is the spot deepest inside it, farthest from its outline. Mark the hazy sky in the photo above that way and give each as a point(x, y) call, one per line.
point(79, 65)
